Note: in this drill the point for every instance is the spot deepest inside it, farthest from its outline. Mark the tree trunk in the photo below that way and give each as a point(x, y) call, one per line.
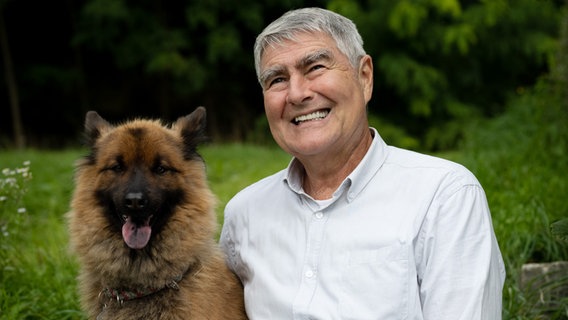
point(562, 58)
point(19, 138)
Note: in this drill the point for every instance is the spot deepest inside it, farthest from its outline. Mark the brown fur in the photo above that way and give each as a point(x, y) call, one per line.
point(161, 163)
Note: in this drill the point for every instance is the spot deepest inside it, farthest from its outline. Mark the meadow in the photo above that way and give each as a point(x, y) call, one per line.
point(519, 157)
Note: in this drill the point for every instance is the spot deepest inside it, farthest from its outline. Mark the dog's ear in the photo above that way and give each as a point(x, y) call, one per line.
point(192, 131)
point(94, 125)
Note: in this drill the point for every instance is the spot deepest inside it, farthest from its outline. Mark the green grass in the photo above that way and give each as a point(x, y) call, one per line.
point(37, 273)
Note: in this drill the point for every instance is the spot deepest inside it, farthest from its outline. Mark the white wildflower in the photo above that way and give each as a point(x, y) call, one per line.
point(22, 170)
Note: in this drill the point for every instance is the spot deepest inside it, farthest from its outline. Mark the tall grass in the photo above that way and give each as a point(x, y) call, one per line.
point(37, 275)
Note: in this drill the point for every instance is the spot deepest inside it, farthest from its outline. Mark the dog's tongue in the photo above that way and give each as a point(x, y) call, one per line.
point(136, 237)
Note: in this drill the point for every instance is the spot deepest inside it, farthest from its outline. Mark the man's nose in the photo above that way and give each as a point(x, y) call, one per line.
point(298, 90)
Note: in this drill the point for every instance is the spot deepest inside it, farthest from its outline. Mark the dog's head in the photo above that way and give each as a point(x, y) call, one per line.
point(142, 171)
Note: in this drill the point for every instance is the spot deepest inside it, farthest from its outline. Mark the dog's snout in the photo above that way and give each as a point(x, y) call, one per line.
point(135, 201)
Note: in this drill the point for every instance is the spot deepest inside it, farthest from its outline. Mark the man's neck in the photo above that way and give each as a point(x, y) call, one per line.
point(324, 174)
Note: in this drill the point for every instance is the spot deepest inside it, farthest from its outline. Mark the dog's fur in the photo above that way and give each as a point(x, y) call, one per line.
point(142, 221)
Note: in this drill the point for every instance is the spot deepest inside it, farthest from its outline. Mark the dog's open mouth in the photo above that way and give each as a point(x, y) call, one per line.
point(136, 235)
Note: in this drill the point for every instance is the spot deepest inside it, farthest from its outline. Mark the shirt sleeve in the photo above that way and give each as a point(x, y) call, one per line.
point(460, 268)
point(226, 241)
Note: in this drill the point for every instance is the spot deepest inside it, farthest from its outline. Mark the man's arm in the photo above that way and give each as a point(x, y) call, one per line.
point(460, 268)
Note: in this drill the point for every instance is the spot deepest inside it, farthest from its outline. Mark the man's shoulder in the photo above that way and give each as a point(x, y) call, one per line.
point(421, 163)
point(409, 158)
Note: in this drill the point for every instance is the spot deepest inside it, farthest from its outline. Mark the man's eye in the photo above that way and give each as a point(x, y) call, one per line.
point(317, 67)
point(275, 81)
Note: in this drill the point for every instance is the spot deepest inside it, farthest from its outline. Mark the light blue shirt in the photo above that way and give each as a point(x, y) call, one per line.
point(406, 236)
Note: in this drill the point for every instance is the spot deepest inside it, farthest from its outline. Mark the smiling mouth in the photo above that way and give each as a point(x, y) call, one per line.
point(317, 115)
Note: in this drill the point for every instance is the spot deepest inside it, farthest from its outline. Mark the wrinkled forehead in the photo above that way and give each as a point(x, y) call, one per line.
point(278, 41)
point(300, 44)
point(281, 39)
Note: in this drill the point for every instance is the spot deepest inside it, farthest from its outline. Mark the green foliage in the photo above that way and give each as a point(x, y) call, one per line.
point(433, 55)
point(407, 75)
point(151, 58)
point(392, 134)
point(406, 18)
point(519, 158)
point(192, 48)
point(560, 229)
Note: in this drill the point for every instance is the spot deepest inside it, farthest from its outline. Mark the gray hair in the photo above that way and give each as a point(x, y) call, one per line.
point(342, 30)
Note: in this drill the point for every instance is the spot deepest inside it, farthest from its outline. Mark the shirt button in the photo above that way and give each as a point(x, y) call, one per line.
point(319, 215)
point(309, 274)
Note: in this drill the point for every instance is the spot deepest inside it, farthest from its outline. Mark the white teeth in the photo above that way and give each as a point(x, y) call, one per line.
point(312, 116)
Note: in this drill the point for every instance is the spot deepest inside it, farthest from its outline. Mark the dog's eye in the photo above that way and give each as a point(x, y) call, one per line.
point(161, 170)
point(118, 168)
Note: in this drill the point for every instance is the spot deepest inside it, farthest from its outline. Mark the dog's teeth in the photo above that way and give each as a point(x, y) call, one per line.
point(124, 217)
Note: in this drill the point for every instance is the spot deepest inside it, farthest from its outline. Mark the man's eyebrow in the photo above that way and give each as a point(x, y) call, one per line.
point(312, 57)
point(270, 73)
point(308, 59)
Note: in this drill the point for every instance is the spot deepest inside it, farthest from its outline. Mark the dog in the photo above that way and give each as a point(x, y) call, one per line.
point(142, 224)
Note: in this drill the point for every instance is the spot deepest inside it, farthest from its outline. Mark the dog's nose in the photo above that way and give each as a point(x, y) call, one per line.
point(135, 200)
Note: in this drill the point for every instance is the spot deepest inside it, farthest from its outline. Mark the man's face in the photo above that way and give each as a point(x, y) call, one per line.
point(314, 99)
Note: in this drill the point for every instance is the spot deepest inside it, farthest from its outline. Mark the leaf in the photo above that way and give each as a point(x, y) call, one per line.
point(560, 229)
point(449, 7)
point(461, 36)
point(406, 18)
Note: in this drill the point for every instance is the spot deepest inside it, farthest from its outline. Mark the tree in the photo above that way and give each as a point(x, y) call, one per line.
point(18, 131)
point(441, 63)
point(189, 52)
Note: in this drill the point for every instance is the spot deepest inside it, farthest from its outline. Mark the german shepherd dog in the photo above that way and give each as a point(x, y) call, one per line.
point(142, 224)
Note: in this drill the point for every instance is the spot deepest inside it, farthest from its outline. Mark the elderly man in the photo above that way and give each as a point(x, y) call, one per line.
point(353, 228)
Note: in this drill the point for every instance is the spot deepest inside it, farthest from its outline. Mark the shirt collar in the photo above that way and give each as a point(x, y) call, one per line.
point(357, 180)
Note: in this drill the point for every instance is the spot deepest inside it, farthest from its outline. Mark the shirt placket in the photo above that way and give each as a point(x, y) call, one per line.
point(310, 275)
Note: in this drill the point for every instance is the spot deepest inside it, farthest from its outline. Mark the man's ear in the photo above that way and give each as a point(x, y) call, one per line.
point(366, 76)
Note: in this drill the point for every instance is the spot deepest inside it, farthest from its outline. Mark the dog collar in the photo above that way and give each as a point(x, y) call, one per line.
point(122, 295)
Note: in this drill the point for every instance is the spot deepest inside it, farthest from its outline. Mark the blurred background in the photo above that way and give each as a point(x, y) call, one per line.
point(439, 64)
point(483, 83)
